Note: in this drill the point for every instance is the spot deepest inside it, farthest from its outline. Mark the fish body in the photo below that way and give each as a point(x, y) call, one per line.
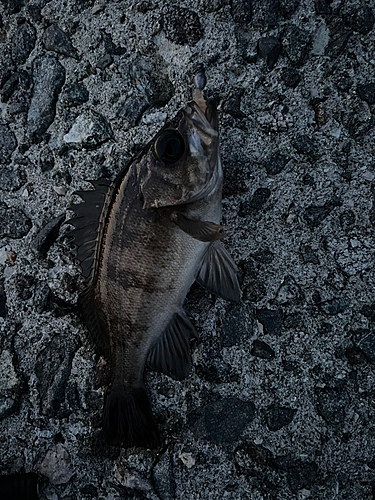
point(156, 231)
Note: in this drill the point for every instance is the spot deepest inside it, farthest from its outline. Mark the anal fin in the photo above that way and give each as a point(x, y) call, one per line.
point(218, 273)
point(171, 353)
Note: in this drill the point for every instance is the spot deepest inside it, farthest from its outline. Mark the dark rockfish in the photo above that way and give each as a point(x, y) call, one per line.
point(142, 240)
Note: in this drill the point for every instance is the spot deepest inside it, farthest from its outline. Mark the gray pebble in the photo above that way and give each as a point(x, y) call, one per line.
point(23, 42)
point(89, 130)
point(222, 421)
point(56, 40)
point(48, 78)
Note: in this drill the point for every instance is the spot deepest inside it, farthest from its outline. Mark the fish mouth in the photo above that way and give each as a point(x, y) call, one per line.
point(203, 117)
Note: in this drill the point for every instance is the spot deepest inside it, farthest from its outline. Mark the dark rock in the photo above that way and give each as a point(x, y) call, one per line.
point(288, 7)
point(262, 350)
point(291, 77)
point(347, 219)
point(233, 107)
point(19, 80)
point(334, 306)
point(23, 42)
point(367, 92)
point(104, 61)
point(276, 164)
point(364, 340)
point(162, 477)
point(52, 370)
point(46, 160)
point(133, 108)
point(315, 215)
point(259, 198)
point(89, 131)
point(305, 145)
point(13, 222)
point(46, 236)
point(233, 187)
point(337, 43)
point(332, 403)
point(8, 143)
point(182, 26)
point(41, 294)
point(12, 179)
point(323, 7)
point(278, 417)
point(48, 77)
point(368, 311)
point(257, 201)
point(263, 256)
point(23, 286)
point(3, 301)
point(296, 44)
point(359, 18)
point(222, 421)
point(308, 180)
point(269, 48)
point(241, 11)
point(59, 307)
point(13, 6)
point(304, 475)
point(271, 320)
point(358, 120)
point(74, 95)
point(290, 292)
point(34, 12)
point(89, 490)
point(6, 64)
point(344, 82)
point(110, 47)
point(354, 355)
point(308, 255)
point(56, 40)
point(238, 326)
point(248, 454)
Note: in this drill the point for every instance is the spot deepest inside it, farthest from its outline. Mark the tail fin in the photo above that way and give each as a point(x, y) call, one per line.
point(128, 419)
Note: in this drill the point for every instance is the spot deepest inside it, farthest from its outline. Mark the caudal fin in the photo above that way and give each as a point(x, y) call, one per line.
point(128, 419)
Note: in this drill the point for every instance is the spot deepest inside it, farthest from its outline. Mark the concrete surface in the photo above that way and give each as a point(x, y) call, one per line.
point(280, 403)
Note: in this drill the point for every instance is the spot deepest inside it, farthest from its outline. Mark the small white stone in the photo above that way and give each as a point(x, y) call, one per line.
point(369, 176)
point(60, 190)
point(187, 459)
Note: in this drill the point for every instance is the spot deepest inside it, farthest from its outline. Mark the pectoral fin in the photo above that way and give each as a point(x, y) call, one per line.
point(171, 353)
point(200, 230)
point(218, 273)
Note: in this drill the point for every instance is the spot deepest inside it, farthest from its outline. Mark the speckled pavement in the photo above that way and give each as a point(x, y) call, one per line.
point(280, 402)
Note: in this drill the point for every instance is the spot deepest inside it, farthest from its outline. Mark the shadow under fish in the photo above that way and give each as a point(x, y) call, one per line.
point(142, 240)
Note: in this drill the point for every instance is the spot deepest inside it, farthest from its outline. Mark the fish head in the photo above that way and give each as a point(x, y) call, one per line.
point(182, 161)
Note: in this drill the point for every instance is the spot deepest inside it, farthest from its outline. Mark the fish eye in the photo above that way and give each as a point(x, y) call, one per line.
point(169, 146)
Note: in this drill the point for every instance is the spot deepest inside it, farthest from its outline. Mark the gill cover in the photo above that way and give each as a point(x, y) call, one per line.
point(182, 161)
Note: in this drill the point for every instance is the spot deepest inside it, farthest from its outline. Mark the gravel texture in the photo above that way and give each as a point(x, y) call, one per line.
point(280, 402)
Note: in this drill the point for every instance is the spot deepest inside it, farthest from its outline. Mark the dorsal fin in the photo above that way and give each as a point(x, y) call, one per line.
point(87, 224)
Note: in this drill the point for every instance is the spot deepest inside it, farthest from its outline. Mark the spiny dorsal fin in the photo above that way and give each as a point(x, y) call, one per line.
point(87, 224)
point(218, 273)
point(171, 353)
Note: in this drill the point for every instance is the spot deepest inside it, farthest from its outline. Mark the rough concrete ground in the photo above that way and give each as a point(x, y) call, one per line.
point(280, 403)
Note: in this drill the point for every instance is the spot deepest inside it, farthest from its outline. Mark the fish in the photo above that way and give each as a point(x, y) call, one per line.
point(141, 241)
